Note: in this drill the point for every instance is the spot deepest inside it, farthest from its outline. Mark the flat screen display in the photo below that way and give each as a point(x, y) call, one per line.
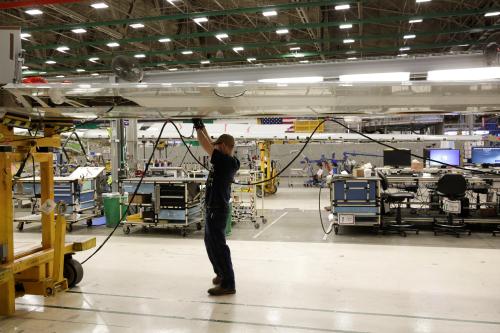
point(448, 156)
point(482, 155)
point(397, 158)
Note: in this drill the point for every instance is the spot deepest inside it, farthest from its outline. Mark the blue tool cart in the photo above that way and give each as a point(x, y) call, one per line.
point(80, 192)
point(355, 201)
point(165, 202)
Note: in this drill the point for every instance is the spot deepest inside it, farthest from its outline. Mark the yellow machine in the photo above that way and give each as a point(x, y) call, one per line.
point(47, 267)
point(268, 169)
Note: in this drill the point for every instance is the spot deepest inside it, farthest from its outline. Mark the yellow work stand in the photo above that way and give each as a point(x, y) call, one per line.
point(45, 268)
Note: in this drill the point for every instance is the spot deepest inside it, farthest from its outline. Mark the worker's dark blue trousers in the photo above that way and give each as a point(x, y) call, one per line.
point(217, 249)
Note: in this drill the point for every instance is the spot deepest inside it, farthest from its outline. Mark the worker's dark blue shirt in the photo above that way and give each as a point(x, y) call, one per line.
point(219, 180)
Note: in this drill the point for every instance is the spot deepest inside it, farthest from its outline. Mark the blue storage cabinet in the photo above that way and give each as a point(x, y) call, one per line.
point(355, 201)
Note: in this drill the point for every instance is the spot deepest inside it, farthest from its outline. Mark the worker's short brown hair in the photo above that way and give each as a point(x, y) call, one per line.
point(227, 139)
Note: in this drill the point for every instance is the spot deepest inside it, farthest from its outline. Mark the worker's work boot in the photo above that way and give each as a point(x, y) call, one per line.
point(217, 280)
point(220, 291)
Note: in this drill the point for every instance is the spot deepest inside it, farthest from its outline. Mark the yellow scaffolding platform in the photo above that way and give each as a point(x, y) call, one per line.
point(38, 269)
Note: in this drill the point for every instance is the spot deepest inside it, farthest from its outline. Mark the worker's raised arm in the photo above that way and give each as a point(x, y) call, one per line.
point(203, 137)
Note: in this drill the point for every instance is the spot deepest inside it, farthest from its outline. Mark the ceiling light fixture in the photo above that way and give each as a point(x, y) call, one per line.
point(95, 74)
point(80, 70)
point(492, 14)
point(137, 25)
point(409, 36)
point(238, 48)
point(403, 55)
point(304, 61)
point(417, 20)
point(93, 59)
point(421, 1)
point(199, 20)
point(164, 40)
point(60, 76)
point(305, 79)
point(172, 69)
point(79, 31)
point(269, 13)
point(251, 59)
point(282, 31)
point(34, 12)
point(349, 41)
point(299, 55)
point(466, 74)
point(113, 44)
point(342, 7)
point(187, 52)
point(50, 62)
point(376, 77)
point(295, 48)
point(62, 48)
point(140, 55)
point(205, 62)
point(99, 5)
point(25, 35)
point(345, 26)
point(352, 58)
point(221, 36)
point(404, 48)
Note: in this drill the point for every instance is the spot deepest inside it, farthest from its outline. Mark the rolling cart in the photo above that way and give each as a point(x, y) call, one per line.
point(355, 201)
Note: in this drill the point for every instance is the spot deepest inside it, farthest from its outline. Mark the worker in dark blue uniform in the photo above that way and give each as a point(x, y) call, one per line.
point(218, 192)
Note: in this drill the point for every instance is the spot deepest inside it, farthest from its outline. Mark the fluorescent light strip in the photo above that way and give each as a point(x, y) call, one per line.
point(466, 74)
point(204, 62)
point(137, 25)
point(187, 52)
point(164, 40)
point(282, 31)
point(492, 14)
point(251, 59)
point(345, 26)
point(284, 80)
point(376, 77)
point(349, 41)
point(113, 44)
point(415, 21)
point(238, 48)
point(421, 1)
point(34, 12)
point(199, 20)
point(140, 55)
point(409, 36)
point(79, 31)
point(270, 13)
point(99, 5)
point(342, 7)
point(221, 36)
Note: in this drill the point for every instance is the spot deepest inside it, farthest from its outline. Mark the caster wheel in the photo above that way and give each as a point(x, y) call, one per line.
point(264, 220)
point(126, 230)
point(73, 271)
point(20, 226)
point(198, 226)
point(89, 222)
point(69, 227)
point(145, 228)
point(256, 225)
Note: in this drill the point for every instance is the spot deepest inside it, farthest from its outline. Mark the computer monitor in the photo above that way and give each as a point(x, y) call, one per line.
point(448, 156)
point(397, 158)
point(484, 155)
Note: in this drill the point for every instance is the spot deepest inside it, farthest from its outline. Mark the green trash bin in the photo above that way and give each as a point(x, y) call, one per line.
point(111, 203)
point(229, 221)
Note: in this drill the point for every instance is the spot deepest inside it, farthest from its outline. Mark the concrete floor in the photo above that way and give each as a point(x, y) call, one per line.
point(289, 279)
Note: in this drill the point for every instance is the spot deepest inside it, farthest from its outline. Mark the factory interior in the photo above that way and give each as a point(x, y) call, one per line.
point(361, 192)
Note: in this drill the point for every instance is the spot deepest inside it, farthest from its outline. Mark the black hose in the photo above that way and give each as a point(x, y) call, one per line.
point(320, 216)
point(133, 195)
